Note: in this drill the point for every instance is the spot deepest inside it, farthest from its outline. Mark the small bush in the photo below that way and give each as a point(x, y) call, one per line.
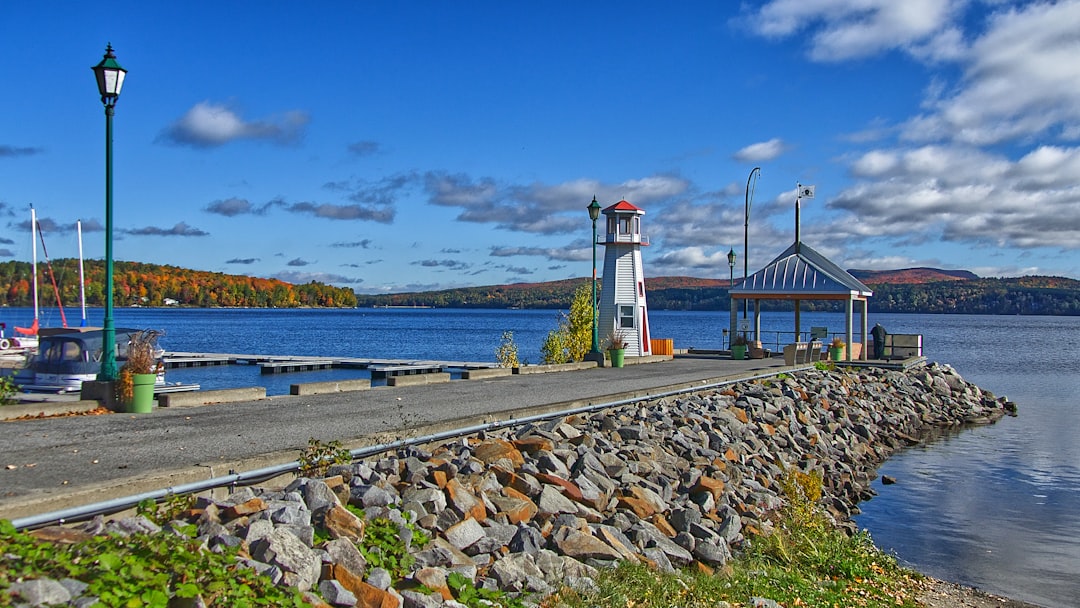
point(317, 457)
point(507, 352)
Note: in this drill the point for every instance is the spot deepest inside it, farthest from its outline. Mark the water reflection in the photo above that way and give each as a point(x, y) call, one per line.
point(995, 507)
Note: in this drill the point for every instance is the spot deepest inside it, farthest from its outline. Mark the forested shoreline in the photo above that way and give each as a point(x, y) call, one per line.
point(159, 285)
point(140, 284)
point(1023, 295)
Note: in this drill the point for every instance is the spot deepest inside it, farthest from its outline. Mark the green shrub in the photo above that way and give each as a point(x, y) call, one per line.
point(507, 352)
point(140, 570)
point(7, 391)
point(572, 338)
point(317, 457)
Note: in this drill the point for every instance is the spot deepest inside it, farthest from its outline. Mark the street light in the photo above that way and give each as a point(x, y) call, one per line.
point(110, 78)
point(746, 230)
point(731, 265)
point(594, 213)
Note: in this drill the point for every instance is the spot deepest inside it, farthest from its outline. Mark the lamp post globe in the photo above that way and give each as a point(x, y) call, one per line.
point(594, 213)
point(110, 79)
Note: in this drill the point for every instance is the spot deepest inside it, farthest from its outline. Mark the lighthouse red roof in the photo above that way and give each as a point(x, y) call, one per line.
point(622, 206)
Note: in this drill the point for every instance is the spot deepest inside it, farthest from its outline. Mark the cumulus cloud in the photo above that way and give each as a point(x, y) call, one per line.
point(578, 251)
point(966, 194)
point(242, 261)
point(365, 148)
point(1020, 80)
point(846, 30)
point(691, 257)
point(297, 277)
point(298, 262)
point(17, 151)
point(761, 151)
point(540, 208)
point(180, 229)
point(450, 264)
point(6, 253)
point(231, 207)
point(374, 213)
point(208, 125)
point(362, 244)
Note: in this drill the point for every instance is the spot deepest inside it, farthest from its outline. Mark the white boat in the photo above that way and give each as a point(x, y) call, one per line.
point(67, 358)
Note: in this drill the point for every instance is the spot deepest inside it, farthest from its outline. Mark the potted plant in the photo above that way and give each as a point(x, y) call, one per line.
point(135, 383)
point(836, 349)
point(616, 347)
point(738, 347)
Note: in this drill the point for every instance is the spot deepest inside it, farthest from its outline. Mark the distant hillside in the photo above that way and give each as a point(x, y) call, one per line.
point(135, 283)
point(923, 290)
point(909, 276)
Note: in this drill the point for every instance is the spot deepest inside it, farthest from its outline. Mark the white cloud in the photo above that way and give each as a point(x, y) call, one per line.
point(690, 257)
point(866, 27)
point(538, 207)
point(208, 125)
point(962, 194)
point(1021, 80)
point(762, 151)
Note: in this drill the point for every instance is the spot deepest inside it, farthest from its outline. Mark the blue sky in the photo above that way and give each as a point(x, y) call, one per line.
point(410, 146)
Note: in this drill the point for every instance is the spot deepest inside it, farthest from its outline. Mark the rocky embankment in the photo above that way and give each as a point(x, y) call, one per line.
point(672, 482)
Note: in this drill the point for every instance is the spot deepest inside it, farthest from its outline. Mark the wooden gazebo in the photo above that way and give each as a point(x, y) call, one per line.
point(800, 273)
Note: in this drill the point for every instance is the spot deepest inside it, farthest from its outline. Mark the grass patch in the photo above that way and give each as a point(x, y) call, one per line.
point(803, 561)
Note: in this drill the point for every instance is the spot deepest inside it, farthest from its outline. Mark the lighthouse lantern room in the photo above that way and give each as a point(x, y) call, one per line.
point(622, 298)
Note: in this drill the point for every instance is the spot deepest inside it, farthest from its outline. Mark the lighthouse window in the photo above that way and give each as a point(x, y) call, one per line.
point(626, 316)
point(624, 225)
point(611, 224)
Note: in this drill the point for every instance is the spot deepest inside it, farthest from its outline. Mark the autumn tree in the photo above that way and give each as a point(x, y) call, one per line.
point(572, 338)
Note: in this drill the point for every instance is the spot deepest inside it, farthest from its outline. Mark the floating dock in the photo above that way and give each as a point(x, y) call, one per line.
point(279, 364)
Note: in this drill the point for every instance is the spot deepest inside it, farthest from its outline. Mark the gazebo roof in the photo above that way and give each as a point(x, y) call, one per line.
point(800, 273)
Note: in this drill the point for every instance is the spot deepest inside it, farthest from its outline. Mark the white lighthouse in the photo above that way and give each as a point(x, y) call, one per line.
point(622, 299)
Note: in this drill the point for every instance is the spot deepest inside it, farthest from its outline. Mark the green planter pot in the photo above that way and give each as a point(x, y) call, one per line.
point(738, 351)
point(617, 355)
point(836, 354)
point(143, 400)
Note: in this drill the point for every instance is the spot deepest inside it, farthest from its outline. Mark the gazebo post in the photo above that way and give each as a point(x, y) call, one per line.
point(757, 319)
point(865, 314)
point(848, 313)
point(734, 321)
point(798, 320)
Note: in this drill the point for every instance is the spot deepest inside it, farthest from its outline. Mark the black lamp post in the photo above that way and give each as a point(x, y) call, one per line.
point(594, 213)
point(110, 78)
point(746, 229)
point(731, 265)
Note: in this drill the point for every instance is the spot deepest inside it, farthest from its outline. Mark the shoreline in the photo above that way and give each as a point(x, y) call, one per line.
point(844, 424)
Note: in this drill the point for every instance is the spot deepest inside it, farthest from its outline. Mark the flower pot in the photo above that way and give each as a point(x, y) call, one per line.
point(617, 355)
point(738, 351)
point(836, 353)
point(143, 400)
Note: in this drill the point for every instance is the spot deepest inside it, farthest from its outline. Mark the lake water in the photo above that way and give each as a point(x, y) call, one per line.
point(996, 507)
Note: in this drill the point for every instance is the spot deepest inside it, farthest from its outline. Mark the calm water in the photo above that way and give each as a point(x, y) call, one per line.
point(997, 507)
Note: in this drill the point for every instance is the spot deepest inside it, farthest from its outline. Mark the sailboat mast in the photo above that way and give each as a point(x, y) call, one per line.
point(33, 247)
point(82, 279)
point(52, 277)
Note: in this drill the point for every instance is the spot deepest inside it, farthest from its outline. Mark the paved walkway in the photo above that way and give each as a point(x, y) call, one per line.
point(52, 464)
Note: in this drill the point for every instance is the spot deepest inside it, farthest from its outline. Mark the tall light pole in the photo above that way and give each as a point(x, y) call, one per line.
point(110, 78)
point(731, 266)
point(594, 213)
point(746, 229)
